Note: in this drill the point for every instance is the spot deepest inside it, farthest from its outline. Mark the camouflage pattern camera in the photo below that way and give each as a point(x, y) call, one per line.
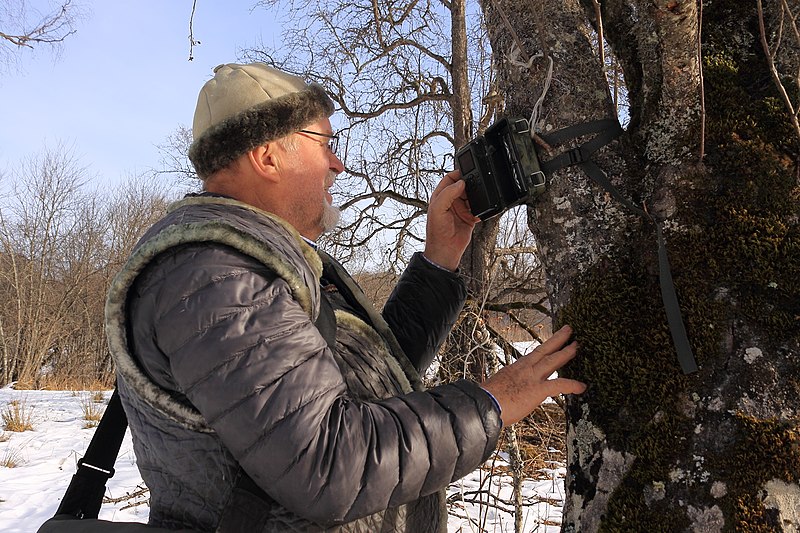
point(501, 168)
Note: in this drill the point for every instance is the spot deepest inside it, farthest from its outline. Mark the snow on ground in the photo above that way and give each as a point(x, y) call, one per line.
point(46, 458)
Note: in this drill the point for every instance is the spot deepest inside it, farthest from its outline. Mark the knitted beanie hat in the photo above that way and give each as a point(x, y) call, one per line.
point(244, 106)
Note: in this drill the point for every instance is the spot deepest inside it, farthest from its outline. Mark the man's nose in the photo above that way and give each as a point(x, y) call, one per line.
point(336, 164)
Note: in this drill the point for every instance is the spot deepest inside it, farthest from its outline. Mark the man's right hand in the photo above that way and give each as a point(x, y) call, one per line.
point(450, 222)
point(522, 386)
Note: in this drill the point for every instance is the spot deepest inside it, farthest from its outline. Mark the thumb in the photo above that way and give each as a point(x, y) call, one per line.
point(446, 196)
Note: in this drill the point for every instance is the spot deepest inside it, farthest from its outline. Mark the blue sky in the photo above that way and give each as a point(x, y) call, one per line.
point(123, 83)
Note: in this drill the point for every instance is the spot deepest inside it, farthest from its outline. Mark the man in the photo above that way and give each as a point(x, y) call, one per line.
point(263, 391)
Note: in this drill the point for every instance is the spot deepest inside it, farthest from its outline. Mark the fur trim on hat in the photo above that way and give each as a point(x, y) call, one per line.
point(221, 144)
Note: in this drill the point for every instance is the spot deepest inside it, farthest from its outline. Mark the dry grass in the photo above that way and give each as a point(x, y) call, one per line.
point(541, 442)
point(92, 412)
point(17, 416)
point(67, 383)
point(11, 458)
point(542, 439)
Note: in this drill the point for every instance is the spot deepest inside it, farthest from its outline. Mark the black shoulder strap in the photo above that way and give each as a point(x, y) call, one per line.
point(326, 321)
point(84, 495)
point(85, 492)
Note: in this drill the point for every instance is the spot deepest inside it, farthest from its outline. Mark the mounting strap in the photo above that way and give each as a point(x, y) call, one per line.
point(605, 131)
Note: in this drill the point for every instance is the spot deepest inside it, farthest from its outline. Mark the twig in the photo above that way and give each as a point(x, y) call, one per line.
point(515, 457)
point(774, 71)
point(476, 497)
point(529, 330)
point(599, 17)
point(46, 32)
point(134, 504)
point(702, 87)
point(139, 491)
point(192, 41)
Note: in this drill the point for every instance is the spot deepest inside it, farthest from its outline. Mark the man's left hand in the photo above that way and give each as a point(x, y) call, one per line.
point(450, 222)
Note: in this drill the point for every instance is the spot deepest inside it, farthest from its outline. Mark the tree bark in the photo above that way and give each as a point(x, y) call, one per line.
point(649, 448)
point(461, 98)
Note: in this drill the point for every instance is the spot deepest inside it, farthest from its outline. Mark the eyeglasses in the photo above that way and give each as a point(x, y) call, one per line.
point(333, 143)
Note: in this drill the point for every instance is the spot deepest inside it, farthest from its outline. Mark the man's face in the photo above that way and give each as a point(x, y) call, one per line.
point(310, 171)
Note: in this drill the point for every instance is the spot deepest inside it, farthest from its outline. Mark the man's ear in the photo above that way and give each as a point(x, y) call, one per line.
point(265, 160)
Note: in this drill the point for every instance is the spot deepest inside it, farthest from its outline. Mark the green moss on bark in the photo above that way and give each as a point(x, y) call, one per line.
point(735, 250)
point(766, 450)
point(626, 347)
point(751, 234)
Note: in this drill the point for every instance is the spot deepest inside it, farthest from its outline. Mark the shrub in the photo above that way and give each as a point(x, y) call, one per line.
point(92, 412)
point(17, 416)
point(11, 458)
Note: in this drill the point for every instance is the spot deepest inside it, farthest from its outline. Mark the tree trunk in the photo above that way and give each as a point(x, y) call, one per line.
point(468, 352)
point(461, 99)
point(650, 448)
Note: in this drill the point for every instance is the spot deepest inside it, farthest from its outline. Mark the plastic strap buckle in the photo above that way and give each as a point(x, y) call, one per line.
point(107, 473)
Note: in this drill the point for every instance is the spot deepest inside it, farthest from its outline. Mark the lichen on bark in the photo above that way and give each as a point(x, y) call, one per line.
point(715, 450)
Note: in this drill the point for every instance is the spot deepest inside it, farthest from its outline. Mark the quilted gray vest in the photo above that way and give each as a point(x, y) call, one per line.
point(164, 425)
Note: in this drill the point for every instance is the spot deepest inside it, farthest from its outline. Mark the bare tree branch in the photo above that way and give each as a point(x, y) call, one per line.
point(776, 78)
point(192, 41)
point(51, 29)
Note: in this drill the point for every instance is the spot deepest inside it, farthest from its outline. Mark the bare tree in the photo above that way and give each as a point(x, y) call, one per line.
point(133, 208)
point(76, 352)
point(34, 224)
point(60, 246)
point(709, 161)
point(175, 164)
point(23, 27)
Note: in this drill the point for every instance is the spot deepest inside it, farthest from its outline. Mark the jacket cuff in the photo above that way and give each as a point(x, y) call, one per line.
point(489, 412)
point(437, 265)
point(496, 405)
point(419, 259)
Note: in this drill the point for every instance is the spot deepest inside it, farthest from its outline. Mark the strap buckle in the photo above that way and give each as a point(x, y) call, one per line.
point(108, 473)
point(575, 156)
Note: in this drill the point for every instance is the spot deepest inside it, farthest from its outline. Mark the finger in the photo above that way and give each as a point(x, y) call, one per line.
point(461, 205)
point(556, 341)
point(558, 386)
point(450, 194)
point(463, 212)
point(451, 177)
point(553, 344)
point(553, 362)
point(560, 337)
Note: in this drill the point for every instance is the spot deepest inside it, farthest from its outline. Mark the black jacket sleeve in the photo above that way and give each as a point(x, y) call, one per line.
point(422, 309)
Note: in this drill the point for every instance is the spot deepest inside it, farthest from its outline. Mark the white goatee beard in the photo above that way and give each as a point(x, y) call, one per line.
point(330, 218)
point(330, 214)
